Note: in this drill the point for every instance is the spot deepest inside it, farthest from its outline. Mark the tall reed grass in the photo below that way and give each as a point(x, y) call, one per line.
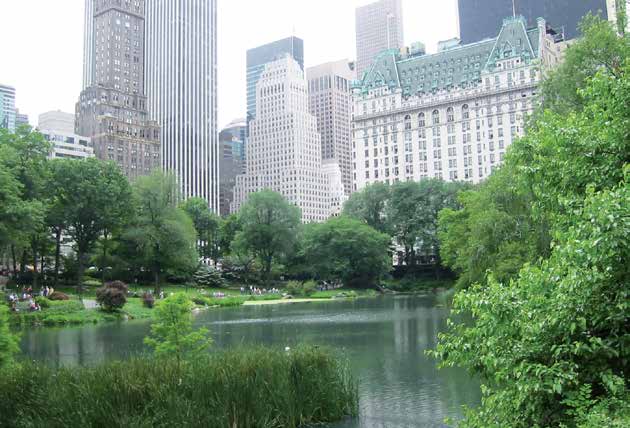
point(240, 388)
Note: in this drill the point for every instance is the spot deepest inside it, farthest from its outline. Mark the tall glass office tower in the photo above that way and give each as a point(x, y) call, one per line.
point(181, 80)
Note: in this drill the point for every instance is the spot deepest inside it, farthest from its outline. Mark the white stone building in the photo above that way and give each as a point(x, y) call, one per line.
point(284, 152)
point(57, 127)
point(338, 195)
point(449, 115)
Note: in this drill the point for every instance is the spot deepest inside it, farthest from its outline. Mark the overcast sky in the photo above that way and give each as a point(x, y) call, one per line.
point(42, 43)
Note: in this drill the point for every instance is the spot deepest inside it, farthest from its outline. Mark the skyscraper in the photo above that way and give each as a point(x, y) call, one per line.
point(330, 101)
point(285, 153)
point(112, 108)
point(7, 107)
point(182, 91)
point(379, 26)
point(482, 19)
point(259, 57)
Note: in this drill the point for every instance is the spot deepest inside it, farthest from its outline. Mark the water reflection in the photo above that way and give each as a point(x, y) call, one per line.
point(385, 339)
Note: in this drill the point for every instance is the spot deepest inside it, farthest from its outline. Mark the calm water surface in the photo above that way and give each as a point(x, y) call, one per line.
point(385, 338)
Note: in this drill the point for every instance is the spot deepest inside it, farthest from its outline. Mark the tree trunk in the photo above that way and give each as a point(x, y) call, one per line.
point(35, 272)
point(103, 263)
point(156, 277)
point(14, 259)
point(80, 271)
point(23, 263)
point(57, 254)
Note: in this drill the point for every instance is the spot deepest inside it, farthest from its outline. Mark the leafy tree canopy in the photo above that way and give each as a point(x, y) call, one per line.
point(269, 228)
point(347, 250)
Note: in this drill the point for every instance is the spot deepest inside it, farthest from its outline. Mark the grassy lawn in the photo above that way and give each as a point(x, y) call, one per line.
point(72, 312)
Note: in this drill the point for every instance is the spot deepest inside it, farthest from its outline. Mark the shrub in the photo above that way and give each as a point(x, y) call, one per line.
point(301, 289)
point(207, 276)
point(89, 282)
point(43, 302)
point(148, 300)
point(58, 295)
point(113, 296)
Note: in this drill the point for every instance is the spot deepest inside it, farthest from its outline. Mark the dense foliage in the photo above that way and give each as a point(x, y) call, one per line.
point(549, 337)
point(244, 387)
point(347, 250)
point(269, 229)
point(162, 238)
point(408, 213)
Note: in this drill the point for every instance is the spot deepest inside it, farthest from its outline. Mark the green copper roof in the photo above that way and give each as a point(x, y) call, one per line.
point(456, 67)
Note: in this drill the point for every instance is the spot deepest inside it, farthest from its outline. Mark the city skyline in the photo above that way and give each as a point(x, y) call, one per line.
point(61, 52)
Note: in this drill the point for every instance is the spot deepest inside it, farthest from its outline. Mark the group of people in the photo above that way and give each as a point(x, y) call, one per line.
point(255, 291)
point(27, 295)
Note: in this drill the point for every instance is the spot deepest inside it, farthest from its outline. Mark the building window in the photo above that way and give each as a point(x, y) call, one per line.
point(465, 112)
point(436, 117)
point(421, 121)
point(450, 115)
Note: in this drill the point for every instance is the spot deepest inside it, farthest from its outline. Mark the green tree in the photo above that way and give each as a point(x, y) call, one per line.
point(9, 343)
point(598, 48)
point(207, 225)
point(229, 227)
point(552, 344)
point(270, 226)
point(412, 212)
point(163, 236)
point(347, 250)
point(172, 333)
point(25, 156)
point(91, 190)
point(369, 205)
point(494, 228)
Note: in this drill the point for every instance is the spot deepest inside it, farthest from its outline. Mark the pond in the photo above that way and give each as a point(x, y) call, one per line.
point(385, 339)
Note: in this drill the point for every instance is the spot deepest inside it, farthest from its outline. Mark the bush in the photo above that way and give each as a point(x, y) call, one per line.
point(301, 289)
point(242, 387)
point(58, 295)
point(43, 302)
point(89, 282)
point(148, 300)
point(113, 296)
point(207, 276)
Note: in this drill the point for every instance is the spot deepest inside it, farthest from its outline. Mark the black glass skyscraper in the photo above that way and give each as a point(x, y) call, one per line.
point(480, 19)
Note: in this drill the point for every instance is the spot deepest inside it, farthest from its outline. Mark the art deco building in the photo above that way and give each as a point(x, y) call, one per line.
point(330, 101)
point(284, 151)
point(259, 57)
point(481, 19)
point(379, 26)
point(182, 90)
point(112, 108)
point(450, 115)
